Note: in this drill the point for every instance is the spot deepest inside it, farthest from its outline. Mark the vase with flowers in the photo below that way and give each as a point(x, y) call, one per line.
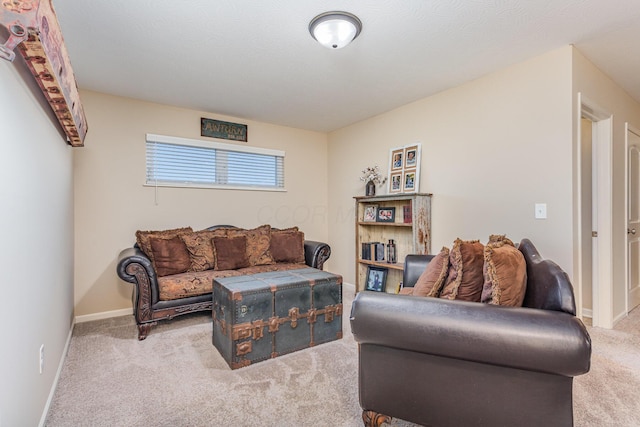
point(372, 177)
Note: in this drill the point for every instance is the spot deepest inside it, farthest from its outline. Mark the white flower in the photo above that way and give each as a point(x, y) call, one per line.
point(373, 174)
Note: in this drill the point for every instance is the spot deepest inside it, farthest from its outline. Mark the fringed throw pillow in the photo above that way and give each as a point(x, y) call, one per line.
point(230, 253)
point(143, 238)
point(505, 274)
point(432, 280)
point(464, 279)
point(258, 244)
point(170, 256)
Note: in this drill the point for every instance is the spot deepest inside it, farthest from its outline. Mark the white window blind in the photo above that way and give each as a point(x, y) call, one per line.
point(184, 162)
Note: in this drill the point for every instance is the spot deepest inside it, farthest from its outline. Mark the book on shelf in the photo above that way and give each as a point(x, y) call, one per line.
point(406, 210)
point(366, 251)
point(372, 251)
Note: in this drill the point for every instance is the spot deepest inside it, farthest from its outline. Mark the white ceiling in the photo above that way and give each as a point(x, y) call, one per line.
point(256, 59)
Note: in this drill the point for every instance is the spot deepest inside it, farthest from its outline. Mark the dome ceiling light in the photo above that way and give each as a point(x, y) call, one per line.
point(335, 30)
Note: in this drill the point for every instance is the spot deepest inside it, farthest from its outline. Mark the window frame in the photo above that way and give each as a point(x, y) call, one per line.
point(150, 137)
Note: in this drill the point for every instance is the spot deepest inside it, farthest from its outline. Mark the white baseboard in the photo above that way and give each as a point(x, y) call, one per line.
point(619, 317)
point(128, 312)
point(589, 313)
point(103, 315)
point(52, 392)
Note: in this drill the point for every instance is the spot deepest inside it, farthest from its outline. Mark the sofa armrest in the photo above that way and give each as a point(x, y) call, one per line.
point(129, 256)
point(135, 267)
point(316, 253)
point(517, 337)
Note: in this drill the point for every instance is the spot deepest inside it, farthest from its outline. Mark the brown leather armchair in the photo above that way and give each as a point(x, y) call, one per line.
point(452, 363)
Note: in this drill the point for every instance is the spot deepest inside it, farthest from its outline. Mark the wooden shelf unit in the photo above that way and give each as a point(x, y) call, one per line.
point(410, 238)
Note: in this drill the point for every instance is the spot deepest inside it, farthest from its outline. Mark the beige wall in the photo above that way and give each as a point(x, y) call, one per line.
point(37, 246)
point(601, 90)
point(112, 203)
point(491, 149)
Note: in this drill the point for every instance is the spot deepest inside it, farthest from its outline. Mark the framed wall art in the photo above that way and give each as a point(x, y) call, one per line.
point(395, 182)
point(409, 181)
point(404, 168)
point(397, 155)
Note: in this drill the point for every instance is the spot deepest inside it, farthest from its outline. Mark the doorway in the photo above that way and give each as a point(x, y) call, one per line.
point(586, 209)
point(633, 217)
point(595, 273)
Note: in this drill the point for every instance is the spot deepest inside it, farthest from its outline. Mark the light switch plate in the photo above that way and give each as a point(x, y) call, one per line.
point(541, 211)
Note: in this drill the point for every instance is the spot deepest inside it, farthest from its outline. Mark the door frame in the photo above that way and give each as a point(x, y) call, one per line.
point(627, 128)
point(602, 284)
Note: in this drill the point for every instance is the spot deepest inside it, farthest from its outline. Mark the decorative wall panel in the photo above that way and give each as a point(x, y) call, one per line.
point(32, 27)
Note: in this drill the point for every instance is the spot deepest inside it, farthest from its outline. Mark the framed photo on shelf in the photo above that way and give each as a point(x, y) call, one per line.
point(370, 213)
point(404, 168)
point(376, 279)
point(386, 215)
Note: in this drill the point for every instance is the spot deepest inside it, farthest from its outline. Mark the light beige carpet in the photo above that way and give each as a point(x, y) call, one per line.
point(177, 378)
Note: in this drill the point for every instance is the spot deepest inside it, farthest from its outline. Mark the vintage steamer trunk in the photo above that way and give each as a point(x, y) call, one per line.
point(265, 315)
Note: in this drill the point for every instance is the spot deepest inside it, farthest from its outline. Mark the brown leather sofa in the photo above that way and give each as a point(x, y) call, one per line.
point(452, 363)
point(148, 307)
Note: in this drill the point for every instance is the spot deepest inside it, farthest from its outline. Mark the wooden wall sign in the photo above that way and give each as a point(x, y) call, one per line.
point(223, 130)
point(33, 28)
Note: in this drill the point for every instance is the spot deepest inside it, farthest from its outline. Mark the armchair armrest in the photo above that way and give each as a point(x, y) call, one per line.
point(414, 265)
point(316, 253)
point(517, 337)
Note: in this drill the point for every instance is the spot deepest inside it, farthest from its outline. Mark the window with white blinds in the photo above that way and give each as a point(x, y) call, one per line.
point(180, 162)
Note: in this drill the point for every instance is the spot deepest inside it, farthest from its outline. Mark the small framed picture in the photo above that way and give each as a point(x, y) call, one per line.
point(410, 156)
point(397, 159)
point(386, 215)
point(395, 184)
point(370, 213)
point(410, 181)
point(376, 279)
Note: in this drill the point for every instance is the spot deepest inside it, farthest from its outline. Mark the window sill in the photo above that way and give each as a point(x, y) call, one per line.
point(217, 187)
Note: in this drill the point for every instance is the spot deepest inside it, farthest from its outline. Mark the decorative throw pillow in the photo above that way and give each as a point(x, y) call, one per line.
point(465, 278)
point(432, 280)
point(287, 246)
point(230, 253)
point(406, 291)
point(200, 248)
point(505, 274)
point(170, 256)
point(258, 243)
point(496, 238)
point(142, 238)
point(284, 230)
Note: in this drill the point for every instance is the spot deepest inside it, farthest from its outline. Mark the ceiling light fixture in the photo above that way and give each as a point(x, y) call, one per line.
point(335, 30)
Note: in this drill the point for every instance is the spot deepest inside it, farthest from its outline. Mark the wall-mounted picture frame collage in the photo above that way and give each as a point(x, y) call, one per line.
point(404, 168)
